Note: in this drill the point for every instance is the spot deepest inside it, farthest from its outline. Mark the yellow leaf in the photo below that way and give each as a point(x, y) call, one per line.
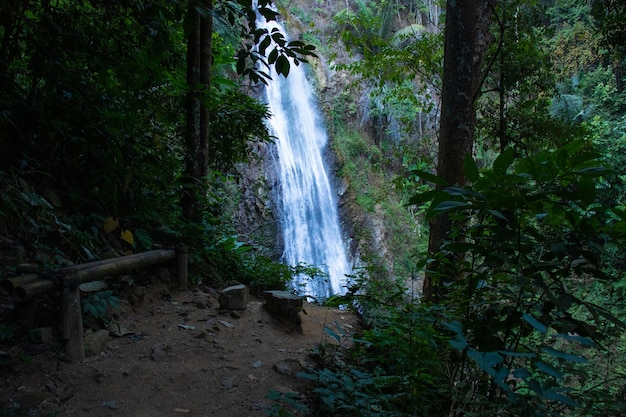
point(110, 224)
point(127, 236)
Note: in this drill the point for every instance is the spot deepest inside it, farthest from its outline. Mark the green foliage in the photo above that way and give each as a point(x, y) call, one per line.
point(399, 106)
point(34, 216)
point(534, 321)
point(367, 169)
point(610, 16)
point(283, 403)
point(529, 236)
point(89, 117)
point(237, 121)
point(265, 47)
point(92, 118)
point(393, 368)
point(601, 90)
point(228, 258)
point(98, 303)
point(7, 331)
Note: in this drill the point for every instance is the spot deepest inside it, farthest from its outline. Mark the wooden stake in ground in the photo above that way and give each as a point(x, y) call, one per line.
point(72, 320)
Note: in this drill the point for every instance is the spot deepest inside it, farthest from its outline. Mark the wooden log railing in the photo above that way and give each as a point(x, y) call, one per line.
point(26, 287)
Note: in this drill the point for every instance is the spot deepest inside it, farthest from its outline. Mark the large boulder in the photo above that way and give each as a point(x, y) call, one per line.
point(234, 297)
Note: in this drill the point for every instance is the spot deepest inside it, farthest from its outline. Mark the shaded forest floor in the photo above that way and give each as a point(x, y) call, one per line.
point(182, 356)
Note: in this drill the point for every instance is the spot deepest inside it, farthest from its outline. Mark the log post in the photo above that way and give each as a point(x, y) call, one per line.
point(10, 284)
point(181, 265)
point(33, 289)
point(122, 264)
point(72, 320)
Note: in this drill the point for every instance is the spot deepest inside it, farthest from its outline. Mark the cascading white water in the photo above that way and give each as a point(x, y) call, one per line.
point(309, 214)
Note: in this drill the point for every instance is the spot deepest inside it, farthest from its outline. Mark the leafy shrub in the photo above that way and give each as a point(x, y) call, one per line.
point(528, 240)
point(530, 324)
point(7, 331)
point(393, 368)
point(98, 303)
point(284, 403)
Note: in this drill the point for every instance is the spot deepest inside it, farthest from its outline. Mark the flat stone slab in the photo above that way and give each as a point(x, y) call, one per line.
point(235, 297)
point(284, 304)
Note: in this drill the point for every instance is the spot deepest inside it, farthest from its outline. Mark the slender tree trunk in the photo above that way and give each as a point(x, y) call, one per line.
point(192, 123)
point(199, 56)
point(467, 39)
point(206, 59)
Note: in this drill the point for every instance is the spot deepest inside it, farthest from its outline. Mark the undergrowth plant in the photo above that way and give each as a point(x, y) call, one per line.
point(7, 331)
point(285, 404)
point(97, 304)
point(531, 322)
point(528, 240)
point(393, 367)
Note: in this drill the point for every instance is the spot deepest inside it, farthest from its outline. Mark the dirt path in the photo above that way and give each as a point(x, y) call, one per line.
point(184, 357)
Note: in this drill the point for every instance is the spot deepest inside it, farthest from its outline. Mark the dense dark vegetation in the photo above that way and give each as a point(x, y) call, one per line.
point(526, 316)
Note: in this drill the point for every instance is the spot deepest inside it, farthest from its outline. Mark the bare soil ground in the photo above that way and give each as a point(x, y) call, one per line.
point(183, 356)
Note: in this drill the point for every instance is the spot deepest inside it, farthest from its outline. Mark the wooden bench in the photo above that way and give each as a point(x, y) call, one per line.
point(26, 287)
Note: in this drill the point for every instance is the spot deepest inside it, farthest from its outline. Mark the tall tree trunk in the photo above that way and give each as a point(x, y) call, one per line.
point(467, 38)
point(199, 57)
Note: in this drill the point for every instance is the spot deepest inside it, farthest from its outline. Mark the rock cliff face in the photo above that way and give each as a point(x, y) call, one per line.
point(256, 217)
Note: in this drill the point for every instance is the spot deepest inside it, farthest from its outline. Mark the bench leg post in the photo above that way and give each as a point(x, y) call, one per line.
point(181, 265)
point(72, 321)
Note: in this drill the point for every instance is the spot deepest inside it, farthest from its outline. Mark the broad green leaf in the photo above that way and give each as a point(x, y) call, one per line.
point(517, 354)
point(503, 162)
point(497, 214)
point(264, 44)
point(271, 58)
point(282, 65)
point(563, 355)
point(552, 395)
point(585, 341)
point(462, 191)
point(471, 170)
point(599, 311)
point(332, 334)
point(522, 373)
point(306, 375)
point(501, 376)
point(427, 176)
point(587, 191)
point(493, 358)
point(593, 171)
point(548, 369)
point(421, 198)
point(458, 343)
point(451, 205)
point(339, 328)
point(455, 326)
point(535, 323)
point(534, 385)
point(487, 360)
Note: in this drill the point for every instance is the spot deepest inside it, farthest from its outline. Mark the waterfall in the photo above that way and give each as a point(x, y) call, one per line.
point(308, 207)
